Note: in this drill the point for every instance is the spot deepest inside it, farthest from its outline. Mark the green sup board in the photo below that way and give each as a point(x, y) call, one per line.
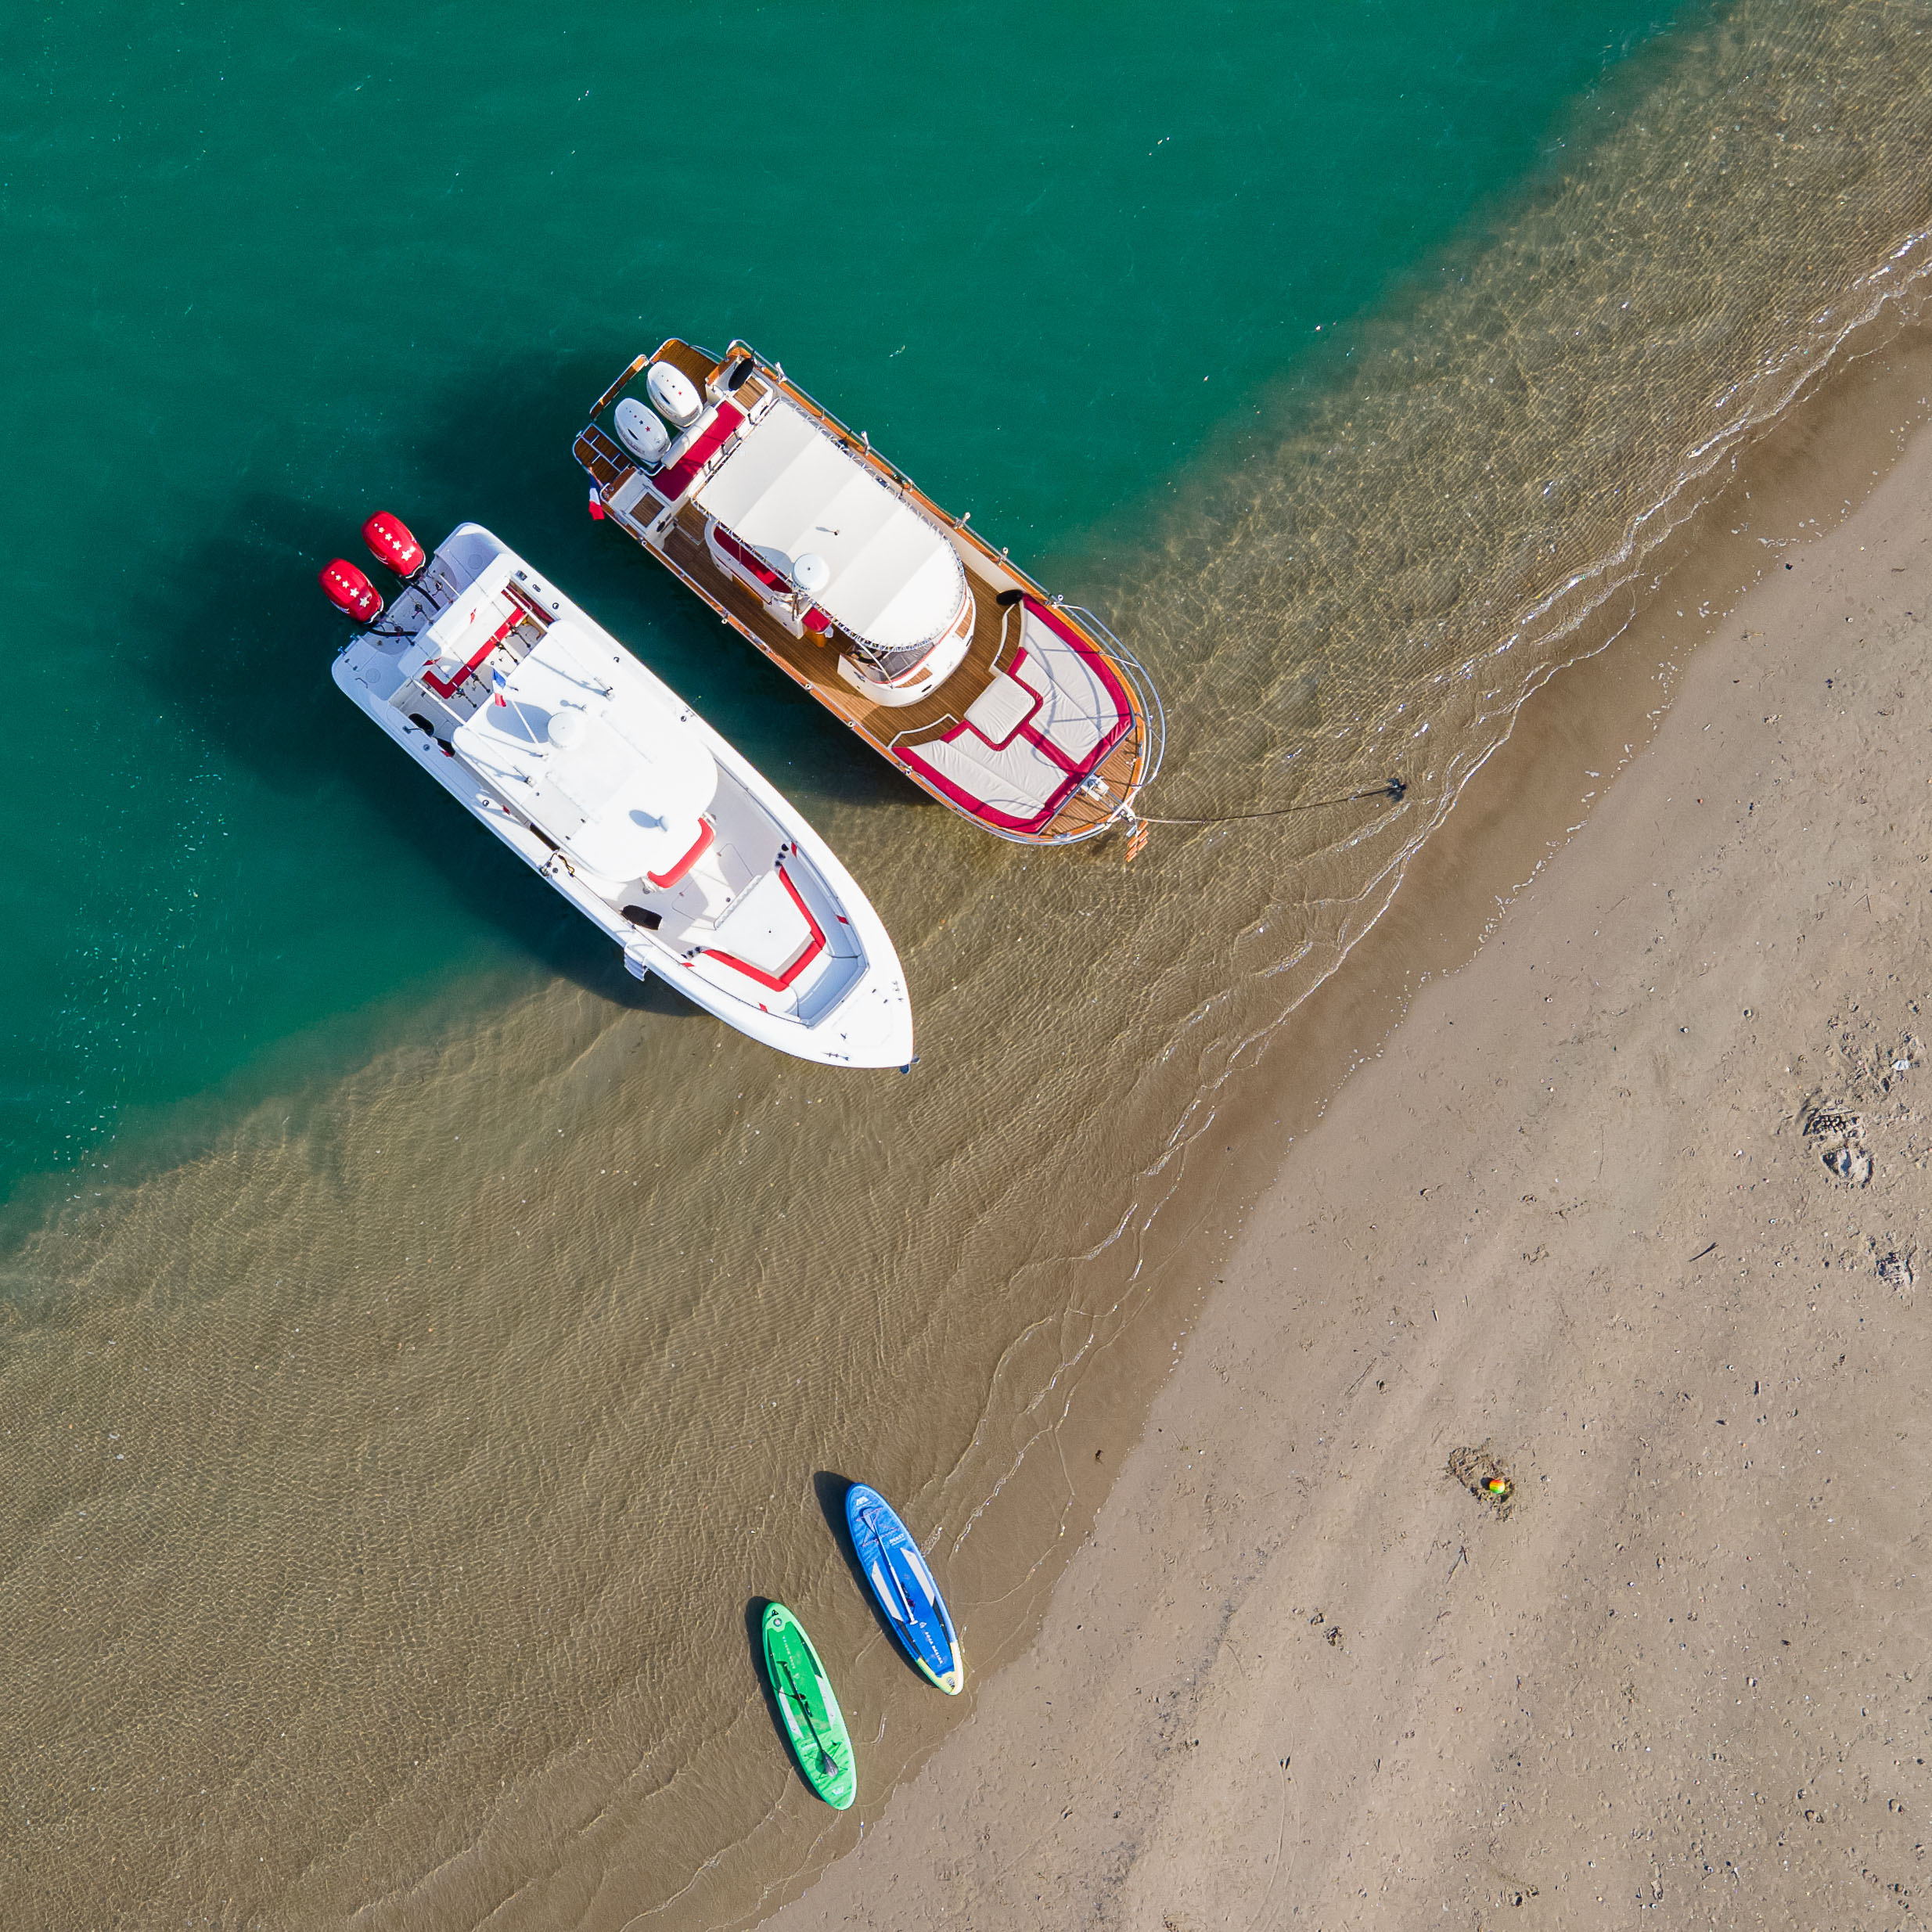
point(809, 1709)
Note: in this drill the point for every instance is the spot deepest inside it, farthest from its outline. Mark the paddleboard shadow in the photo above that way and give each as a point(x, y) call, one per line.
point(831, 1490)
point(754, 1647)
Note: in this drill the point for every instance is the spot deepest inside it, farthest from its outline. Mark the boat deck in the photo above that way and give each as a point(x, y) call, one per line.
point(887, 728)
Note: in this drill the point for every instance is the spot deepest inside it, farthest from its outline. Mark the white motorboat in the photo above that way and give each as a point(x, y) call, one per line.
point(598, 776)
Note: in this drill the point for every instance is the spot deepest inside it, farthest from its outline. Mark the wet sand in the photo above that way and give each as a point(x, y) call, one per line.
point(1628, 1209)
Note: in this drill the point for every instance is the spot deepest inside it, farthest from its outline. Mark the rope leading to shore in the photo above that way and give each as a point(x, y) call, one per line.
point(1392, 789)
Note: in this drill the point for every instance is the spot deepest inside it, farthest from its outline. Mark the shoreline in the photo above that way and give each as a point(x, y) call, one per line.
point(588, 1820)
point(913, 1867)
point(425, 1343)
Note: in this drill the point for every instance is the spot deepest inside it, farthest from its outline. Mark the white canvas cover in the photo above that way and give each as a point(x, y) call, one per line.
point(787, 488)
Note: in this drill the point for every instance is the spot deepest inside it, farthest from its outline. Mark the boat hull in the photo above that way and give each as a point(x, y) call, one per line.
point(870, 1023)
point(1065, 769)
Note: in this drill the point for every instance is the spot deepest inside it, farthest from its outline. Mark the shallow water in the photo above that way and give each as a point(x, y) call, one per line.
point(400, 1430)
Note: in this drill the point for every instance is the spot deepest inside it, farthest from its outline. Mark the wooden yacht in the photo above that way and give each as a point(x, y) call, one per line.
point(1023, 713)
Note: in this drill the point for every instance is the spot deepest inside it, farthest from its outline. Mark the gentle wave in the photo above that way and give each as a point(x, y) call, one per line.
point(397, 1470)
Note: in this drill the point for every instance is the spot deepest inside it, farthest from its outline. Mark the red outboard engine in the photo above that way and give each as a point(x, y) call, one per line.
point(351, 592)
point(390, 542)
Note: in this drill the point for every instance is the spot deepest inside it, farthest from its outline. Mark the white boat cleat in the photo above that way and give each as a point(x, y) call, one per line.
point(598, 776)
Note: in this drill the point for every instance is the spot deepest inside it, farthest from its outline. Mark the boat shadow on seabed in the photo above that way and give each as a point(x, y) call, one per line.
point(241, 614)
point(253, 608)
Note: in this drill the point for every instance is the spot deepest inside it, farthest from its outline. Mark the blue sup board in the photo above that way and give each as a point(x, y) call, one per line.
point(904, 1587)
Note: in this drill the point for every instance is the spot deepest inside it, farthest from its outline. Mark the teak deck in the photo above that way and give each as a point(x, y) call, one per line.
point(682, 546)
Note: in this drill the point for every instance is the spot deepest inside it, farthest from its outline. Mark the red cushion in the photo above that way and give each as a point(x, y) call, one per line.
point(706, 832)
point(778, 983)
point(671, 484)
point(489, 644)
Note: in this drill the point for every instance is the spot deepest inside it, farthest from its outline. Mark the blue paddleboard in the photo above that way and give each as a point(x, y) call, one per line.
point(904, 1587)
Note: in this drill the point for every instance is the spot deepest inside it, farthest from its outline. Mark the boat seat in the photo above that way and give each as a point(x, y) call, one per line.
point(1017, 786)
point(773, 931)
point(1083, 710)
point(664, 881)
point(686, 461)
point(997, 713)
point(745, 561)
point(1030, 739)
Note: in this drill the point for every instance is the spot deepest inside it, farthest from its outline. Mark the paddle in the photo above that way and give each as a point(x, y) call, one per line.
point(921, 1637)
point(827, 1763)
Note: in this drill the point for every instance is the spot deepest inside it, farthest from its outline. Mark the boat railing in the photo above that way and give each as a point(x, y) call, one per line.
point(1154, 713)
point(603, 401)
point(1154, 718)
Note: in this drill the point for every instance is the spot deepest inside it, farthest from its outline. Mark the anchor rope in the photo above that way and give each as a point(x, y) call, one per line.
point(1393, 788)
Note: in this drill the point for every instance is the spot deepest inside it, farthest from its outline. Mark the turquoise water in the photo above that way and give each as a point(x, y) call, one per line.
point(399, 1426)
point(275, 268)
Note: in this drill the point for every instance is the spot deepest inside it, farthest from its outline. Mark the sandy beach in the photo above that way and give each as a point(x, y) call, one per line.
point(425, 1347)
point(1627, 1214)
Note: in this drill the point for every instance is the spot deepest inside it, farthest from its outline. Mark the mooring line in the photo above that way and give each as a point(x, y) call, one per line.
point(1393, 788)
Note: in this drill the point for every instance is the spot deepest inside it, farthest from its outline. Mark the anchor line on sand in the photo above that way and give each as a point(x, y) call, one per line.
point(1394, 789)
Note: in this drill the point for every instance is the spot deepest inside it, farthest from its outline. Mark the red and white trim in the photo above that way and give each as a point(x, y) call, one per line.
point(675, 484)
point(1076, 772)
point(483, 650)
point(665, 880)
point(782, 982)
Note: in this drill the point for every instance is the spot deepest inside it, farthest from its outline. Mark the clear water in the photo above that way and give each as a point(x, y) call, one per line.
point(273, 270)
point(420, 1348)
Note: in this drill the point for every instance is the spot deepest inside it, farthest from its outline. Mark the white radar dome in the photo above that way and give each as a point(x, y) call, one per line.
point(811, 572)
point(566, 729)
point(673, 395)
point(641, 433)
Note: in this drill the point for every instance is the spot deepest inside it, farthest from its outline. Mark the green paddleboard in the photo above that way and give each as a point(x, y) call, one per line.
point(809, 1709)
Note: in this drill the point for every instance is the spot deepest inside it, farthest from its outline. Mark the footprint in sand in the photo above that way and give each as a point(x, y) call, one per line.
point(1839, 1136)
point(1895, 1269)
point(1481, 1472)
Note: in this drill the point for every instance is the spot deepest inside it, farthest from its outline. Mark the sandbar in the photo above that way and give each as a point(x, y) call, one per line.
point(1627, 1214)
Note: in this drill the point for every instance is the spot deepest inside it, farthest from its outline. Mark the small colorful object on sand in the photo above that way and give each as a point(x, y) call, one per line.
point(1481, 1472)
